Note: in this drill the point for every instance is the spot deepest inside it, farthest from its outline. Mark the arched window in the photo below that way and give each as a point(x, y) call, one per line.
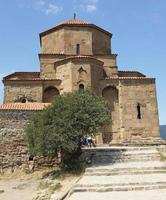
point(23, 100)
point(111, 95)
point(81, 87)
point(139, 111)
point(49, 94)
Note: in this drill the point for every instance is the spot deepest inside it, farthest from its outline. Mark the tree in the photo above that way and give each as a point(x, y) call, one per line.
point(61, 126)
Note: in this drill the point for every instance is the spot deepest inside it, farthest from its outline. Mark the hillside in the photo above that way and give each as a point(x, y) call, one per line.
point(163, 131)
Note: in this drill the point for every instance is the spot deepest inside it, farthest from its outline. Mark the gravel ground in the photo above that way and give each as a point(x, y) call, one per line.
point(34, 187)
point(18, 189)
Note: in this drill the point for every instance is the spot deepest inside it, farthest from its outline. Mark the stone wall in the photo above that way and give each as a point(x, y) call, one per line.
point(101, 43)
point(109, 60)
point(111, 132)
point(48, 70)
point(142, 93)
point(47, 65)
point(14, 91)
point(32, 92)
point(13, 150)
point(63, 72)
point(76, 72)
point(110, 64)
point(81, 74)
point(126, 126)
point(78, 35)
point(53, 42)
point(64, 41)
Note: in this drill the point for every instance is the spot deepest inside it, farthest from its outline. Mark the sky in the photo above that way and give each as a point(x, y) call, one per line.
point(138, 27)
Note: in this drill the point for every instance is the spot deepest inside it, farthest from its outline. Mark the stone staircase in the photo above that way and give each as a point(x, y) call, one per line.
point(122, 173)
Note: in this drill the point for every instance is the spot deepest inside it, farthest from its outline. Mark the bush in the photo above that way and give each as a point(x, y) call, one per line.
point(61, 126)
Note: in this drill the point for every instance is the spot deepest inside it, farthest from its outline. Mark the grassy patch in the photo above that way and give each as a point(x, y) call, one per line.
point(2, 191)
point(55, 187)
point(162, 154)
point(44, 185)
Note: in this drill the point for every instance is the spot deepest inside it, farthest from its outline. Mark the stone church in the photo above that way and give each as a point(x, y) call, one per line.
point(76, 55)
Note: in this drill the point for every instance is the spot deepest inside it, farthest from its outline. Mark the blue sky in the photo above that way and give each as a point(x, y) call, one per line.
point(138, 27)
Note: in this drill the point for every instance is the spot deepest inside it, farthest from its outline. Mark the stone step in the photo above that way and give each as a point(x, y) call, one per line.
point(129, 170)
point(119, 154)
point(102, 161)
point(159, 194)
point(122, 172)
point(136, 179)
point(125, 156)
point(145, 142)
point(106, 159)
point(117, 188)
point(114, 155)
point(121, 151)
point(128, 165)
point(120, 148)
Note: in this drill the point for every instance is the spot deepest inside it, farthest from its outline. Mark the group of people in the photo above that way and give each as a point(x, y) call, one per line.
point(88, 141)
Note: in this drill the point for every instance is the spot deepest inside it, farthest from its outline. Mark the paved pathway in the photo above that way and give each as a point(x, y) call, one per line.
point(122, 173)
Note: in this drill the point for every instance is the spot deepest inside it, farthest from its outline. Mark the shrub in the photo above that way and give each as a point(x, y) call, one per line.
point(61, 126)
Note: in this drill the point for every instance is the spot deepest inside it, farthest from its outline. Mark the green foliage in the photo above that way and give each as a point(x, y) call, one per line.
point(62, 125)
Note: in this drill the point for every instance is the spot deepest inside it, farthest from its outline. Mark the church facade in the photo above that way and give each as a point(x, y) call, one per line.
point(78, 55)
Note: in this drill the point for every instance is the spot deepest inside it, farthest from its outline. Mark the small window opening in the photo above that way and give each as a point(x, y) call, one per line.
point(23, 100)
point(81, 87)
point(139, 111)
point(30, 158)
point(78, 49)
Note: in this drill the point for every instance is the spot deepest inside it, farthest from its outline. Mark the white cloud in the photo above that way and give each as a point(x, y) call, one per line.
point(48, 7)
point(1, 75)
point(90, 5)
point(40, 2)
point(1, 87)
point(52, 9)
point(92, 1)
point(91, 8)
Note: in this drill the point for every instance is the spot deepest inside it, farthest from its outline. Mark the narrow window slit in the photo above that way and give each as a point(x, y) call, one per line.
point(139, 111)
point(78, 49)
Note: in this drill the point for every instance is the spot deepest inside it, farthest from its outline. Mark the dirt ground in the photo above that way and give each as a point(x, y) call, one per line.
point(33, 186)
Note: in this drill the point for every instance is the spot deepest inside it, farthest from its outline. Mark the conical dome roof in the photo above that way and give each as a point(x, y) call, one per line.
point(74, 21)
